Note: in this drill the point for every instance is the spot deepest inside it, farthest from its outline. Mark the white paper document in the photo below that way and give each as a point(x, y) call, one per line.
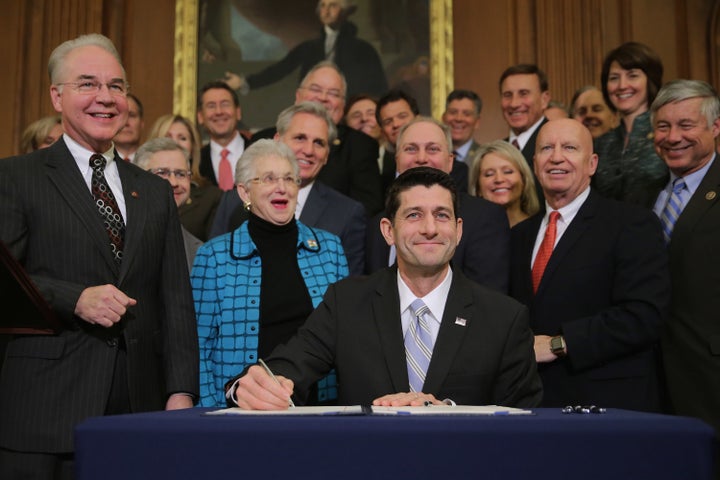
point(360, 410)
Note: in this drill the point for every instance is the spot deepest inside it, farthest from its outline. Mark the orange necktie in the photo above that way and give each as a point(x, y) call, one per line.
point(545, 251)
point(226, 181)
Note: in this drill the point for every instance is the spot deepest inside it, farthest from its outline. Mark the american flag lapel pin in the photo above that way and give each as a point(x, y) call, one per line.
point(460, 321)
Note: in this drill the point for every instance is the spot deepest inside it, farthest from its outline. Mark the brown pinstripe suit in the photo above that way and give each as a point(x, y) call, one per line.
point(50, 383)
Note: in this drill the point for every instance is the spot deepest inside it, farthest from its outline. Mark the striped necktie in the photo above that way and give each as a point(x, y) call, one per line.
point(673, 209)
point(418, 346)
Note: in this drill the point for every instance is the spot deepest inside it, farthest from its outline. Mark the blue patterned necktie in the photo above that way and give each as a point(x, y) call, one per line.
point(107, 206)
point(418, 346)
point(673, 209)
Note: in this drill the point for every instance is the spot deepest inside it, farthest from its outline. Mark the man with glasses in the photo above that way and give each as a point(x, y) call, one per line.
point(168, 160)
point(219, 112)
point(352, 167)
point(101, 240)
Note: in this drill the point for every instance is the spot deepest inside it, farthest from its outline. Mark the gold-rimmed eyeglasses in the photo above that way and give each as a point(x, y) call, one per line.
point(116, 88)
point(271, 179)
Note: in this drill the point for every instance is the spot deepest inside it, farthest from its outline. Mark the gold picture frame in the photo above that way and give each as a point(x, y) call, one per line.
point(186, 54)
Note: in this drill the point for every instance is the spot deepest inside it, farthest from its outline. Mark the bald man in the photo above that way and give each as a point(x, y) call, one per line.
point(594, 274)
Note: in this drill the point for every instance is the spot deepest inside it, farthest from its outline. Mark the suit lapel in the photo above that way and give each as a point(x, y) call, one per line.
point(704, 197)
point(386, 314)
point(64, 173)
point(453, 327)
point(314, 206)
point(525, 292)
point(136, 207)
point(572, 234)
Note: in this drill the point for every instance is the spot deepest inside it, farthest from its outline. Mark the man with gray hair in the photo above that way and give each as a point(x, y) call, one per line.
point(168, 160)
point(309, 131)
point(100, 238)
point(686, 120)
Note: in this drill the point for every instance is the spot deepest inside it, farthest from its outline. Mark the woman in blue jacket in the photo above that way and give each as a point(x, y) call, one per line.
point(254, 287)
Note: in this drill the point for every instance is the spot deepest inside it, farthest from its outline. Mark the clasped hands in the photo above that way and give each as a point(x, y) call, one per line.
point(256, 390)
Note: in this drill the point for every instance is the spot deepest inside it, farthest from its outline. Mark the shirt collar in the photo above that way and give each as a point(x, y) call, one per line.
point(435, 300)
point(82, 155)
point(523, 138)
point(235, 147)
point(568, 212)
point(692, 181)
point(463, 149)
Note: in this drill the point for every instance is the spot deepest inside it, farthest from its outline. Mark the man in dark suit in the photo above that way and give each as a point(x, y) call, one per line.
point(594, 273)
point(686, 120)
point(309, 131)
point(483, 254)
point(524, 96)
point(476, 343)
point(352, 167)
point(394, 110)
point(129, 341)
point(462, 115)
point(219, 111)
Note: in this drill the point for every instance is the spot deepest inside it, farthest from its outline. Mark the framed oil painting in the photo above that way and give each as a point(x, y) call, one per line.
point(263, 47)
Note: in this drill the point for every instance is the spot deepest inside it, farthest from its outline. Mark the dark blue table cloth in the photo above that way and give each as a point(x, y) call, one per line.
point(548, 444)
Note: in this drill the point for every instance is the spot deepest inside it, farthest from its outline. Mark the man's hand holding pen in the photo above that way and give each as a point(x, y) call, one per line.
point(259, 390)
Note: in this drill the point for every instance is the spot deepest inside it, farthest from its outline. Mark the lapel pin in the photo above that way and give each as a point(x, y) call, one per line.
point(312, 243)
point(460, 321)
point(336, 142)
point(134, 194)
point(710, 195)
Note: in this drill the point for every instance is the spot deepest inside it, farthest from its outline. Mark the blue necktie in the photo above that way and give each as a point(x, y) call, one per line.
point(418, 346)
point(673, 209)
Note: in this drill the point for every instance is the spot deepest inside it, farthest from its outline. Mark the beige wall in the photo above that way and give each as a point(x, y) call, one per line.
point(567, 38)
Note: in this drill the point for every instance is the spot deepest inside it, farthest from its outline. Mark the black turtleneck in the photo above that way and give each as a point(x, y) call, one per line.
point(284, 300)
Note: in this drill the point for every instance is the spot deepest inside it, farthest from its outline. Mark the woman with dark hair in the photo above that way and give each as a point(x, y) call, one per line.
point(628, 167)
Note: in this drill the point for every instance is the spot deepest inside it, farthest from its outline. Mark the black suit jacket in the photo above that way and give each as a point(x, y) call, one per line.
point(691, 340)
point(351, 168)
point(487, 359)
point(605, 289)
point(325, 209)
point(483, 254)
point(198, 212)
point(50, 383)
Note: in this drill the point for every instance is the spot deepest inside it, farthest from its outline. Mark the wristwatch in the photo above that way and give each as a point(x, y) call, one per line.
point(557, 346)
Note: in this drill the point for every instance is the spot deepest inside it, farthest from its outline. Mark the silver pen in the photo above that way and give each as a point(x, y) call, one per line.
point(272, 375)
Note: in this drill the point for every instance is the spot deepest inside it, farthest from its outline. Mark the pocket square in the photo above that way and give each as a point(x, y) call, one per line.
point(460, 321)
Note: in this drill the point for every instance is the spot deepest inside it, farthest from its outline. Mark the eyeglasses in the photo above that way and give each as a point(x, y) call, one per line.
point(330, 92)
point(90, 87)
point(271, 179)
point(166, 172)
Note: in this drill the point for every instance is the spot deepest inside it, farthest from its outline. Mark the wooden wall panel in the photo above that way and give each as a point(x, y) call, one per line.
point(568, 38)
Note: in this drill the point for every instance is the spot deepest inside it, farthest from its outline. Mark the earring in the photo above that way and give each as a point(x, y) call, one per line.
point(246, 206)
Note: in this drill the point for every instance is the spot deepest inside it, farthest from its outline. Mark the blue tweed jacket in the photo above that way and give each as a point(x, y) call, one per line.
point(226, 279)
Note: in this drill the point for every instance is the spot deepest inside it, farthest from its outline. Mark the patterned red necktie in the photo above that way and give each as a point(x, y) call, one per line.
point(545, 251)
point(226, 180)
point(107, 206)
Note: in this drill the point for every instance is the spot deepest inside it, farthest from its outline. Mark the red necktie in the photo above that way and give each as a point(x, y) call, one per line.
point(226, 180)
point(545, 251)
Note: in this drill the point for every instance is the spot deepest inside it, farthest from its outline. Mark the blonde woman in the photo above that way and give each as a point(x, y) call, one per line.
point(500, 174)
